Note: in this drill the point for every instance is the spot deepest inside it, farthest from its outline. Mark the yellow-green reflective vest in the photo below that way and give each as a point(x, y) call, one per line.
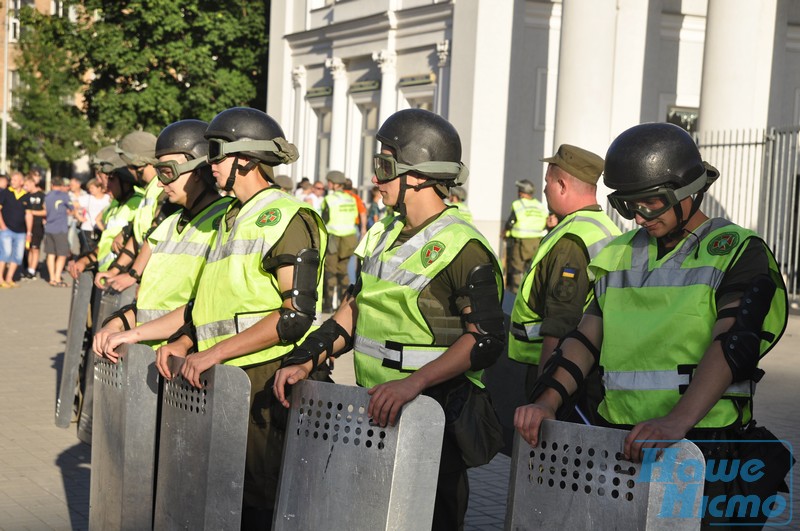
point(115, 218)
point(177, 260)
point(595, 230)
point(464, 211)
point(531, 219)
point(392, 336)
point(658, 316)
point(147, 210)
point(234, 292)
point(342, 210)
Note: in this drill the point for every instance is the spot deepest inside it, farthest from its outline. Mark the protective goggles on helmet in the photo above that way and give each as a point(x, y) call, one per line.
point(653, 202)
point(169, 171)
point(387, 168)
point(103, 167)
point(219, 149)
point(134, 160)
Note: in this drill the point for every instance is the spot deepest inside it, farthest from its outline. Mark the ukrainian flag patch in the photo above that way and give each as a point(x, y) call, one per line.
point(569, 272)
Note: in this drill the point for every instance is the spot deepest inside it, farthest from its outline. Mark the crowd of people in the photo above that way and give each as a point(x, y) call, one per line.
point(234, 266)
point(45, 228)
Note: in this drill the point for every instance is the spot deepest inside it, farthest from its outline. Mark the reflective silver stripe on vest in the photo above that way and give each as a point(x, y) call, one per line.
point(409, 358)
point(526, 332)
point(110, 257)
point(595, 247)
point(638, 275)
point(668, 380)
point(532, 233)
point(184, 246)
point(228, 326)
point(232, 247)
point(373, 265)
point(235, 246)
point(145, 316)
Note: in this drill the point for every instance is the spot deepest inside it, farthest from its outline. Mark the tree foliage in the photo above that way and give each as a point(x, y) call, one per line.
point(144, 64)
point(49, 128)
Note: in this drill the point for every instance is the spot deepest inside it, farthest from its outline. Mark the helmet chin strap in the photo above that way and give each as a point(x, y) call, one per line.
point(401, 203)
point(400, 207)
point(677, 233)
point(235, 168)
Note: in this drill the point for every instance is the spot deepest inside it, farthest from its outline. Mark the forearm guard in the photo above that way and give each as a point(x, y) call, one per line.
point(319, 341)
point(120, 314)
point(741, 344)
point(187, 328)
point(547, 378)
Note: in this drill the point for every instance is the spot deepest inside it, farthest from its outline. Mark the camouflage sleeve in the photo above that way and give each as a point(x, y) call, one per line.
point(560, 287)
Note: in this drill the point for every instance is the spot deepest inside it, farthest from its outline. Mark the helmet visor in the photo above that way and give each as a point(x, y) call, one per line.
point(103, 167)
point(169, 171)
point(219, 149)
point(650, 206)
point(387, 168)
point(652, 202)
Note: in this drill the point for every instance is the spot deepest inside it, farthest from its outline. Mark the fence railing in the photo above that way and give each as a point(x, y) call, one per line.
point(758, 188)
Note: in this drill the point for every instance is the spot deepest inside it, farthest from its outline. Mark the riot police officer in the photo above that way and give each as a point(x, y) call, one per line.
point(170, 261)
point(259, 291)
point(685, 307)
point(432, 262)
point(524, 229)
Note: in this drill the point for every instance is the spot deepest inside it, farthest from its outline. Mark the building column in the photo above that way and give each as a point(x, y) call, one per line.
point(387, 62)
point(586, 74)
point(298, 124)
point(338, 113)
point(737, 64)
point(442, 78)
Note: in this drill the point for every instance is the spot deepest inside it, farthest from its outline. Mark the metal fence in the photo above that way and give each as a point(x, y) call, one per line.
point(758, 188)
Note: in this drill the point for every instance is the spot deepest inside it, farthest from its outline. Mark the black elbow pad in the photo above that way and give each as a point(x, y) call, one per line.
point(292, 325)
point(486, 351)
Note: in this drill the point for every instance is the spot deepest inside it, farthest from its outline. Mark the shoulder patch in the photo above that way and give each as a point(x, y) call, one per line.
point(723, 244)
point(431, 252)
point(269, 217)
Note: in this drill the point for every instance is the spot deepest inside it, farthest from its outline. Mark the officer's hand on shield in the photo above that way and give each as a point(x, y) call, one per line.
point(178, 348)
point(101, 279)
point(289, 375)
point(653, 433)
point(528, 420)
point(113, 341)
point(101, 337)
point(75, 268)
point(196, 364)
point(387, 399)
point(121, 282)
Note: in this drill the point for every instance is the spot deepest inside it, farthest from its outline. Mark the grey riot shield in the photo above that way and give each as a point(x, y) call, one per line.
point(576, 478)
point(124, 441)
point(107, 302)
point(201, 450)
point(342, 472)
point(74, 350)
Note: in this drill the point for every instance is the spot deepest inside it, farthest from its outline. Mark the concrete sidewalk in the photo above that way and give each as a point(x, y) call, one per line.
point(44, 470)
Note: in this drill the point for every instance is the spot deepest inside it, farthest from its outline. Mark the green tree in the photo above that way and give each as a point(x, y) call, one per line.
point(48, 130)
point(143, 64)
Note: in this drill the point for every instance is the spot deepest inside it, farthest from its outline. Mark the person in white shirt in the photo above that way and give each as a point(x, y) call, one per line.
point(90, 211)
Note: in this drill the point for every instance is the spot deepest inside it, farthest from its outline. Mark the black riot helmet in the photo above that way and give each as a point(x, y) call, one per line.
point(243, 132)
point(417, 137)
point(185, 137)
point(656, 160)
point(424, 143)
